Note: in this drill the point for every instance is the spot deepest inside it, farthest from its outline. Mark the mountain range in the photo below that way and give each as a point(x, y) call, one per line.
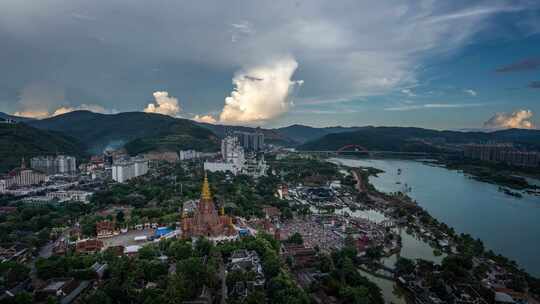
point(419, 140)
point(4, 116)
point(83, 133)
point(301, 134)
point(137, 131)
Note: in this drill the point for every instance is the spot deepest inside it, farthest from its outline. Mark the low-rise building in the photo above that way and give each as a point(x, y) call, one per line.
point(104, 229)
point(37, 200)
point(300, 256)
point(132, 250)
point(167, 156)
point(89, 246)
point(271, 212)
point(245, 261)
point(65, 290)
point(71, 195)
point(21, 177)
point(222, 167)
point(189, 154)
point(14, 252)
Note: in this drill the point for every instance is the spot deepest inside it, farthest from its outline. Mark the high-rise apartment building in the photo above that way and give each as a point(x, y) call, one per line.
point(54, 164)
point(127, 169)
point(504, 153)
point(251, 142)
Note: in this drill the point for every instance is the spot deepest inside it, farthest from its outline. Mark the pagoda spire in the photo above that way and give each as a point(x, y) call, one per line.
point(205, 193)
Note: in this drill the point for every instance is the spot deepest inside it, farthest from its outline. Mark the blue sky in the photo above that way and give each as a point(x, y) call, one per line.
point(435, 64)
point(461, 90)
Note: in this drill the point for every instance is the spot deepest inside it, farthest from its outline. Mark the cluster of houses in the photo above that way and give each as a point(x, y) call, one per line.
point(494, 286)
point(245, 262)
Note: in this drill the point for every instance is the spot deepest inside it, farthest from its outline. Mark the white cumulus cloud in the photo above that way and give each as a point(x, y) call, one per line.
point(520, 119)
point(86, 107)
point(163, 104)
point(261, 93)
point(205, 118)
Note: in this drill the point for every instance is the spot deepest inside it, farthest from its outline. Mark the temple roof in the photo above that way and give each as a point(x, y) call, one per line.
point(205, 193)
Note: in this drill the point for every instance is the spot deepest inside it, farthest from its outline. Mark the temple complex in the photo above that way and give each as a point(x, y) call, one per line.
point(206, 222)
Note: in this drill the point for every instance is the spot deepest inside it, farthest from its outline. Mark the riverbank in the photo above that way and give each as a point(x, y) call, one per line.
point(499, 174)
point(409, 208)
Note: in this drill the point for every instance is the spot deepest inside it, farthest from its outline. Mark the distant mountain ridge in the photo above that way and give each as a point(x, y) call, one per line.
point(19, 140)
point(418, 139)
point(301, 133)
point(149, 131)
point(290, 136)
point(4, 116)
point(140, 132)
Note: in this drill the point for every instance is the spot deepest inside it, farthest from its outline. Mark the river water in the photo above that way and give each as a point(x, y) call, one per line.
point(412, 247)
point(508, 225)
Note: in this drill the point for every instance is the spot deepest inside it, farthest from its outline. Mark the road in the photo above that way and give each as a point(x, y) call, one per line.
point(223, 283)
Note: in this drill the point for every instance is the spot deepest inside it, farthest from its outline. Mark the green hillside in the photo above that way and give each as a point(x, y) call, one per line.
point(419, 140)
point(302, 134)
point(138, 131)
point(20, 140)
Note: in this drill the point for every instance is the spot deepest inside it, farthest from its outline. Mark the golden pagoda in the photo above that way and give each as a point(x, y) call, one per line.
point(205, 220)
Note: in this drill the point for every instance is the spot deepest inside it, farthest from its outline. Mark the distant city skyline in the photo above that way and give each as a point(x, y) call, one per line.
point(432, 64)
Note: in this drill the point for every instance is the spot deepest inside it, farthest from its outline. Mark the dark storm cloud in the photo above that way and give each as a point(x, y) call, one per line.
point(528, 64)
point(117, 53)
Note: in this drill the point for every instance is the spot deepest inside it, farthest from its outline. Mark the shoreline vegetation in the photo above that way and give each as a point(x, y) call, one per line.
point(496, 173)
point(460, 246)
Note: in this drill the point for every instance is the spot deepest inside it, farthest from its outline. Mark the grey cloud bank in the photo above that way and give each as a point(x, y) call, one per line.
point(117, 53)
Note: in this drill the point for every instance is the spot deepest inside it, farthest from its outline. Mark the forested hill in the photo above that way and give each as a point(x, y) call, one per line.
point(4, 116)
point(20, 140)
point(418, 139)
point(138, 131)
point(302, 134)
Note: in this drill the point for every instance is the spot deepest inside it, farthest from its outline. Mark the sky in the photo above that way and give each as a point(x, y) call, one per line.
point(434, 64)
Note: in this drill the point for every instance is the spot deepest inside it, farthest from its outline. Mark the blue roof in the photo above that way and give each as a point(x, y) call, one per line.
point(161, 231)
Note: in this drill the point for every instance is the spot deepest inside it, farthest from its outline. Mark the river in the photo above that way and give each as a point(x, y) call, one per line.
point(508, 225)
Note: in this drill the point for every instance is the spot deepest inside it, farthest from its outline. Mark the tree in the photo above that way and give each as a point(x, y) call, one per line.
point(120, 216)
point(195, 270)
point(180, 250)
point(255, 297)
point(97, 297)
point(20, 298)
point(325, 263)
point(176, 291)
point(13, 272)
point(147, 252)
point(296, 238)
point(281, 289)
point(356, 295)
point(404, 266)
point(203, 246)
point(349, 249)
point(374, 253)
